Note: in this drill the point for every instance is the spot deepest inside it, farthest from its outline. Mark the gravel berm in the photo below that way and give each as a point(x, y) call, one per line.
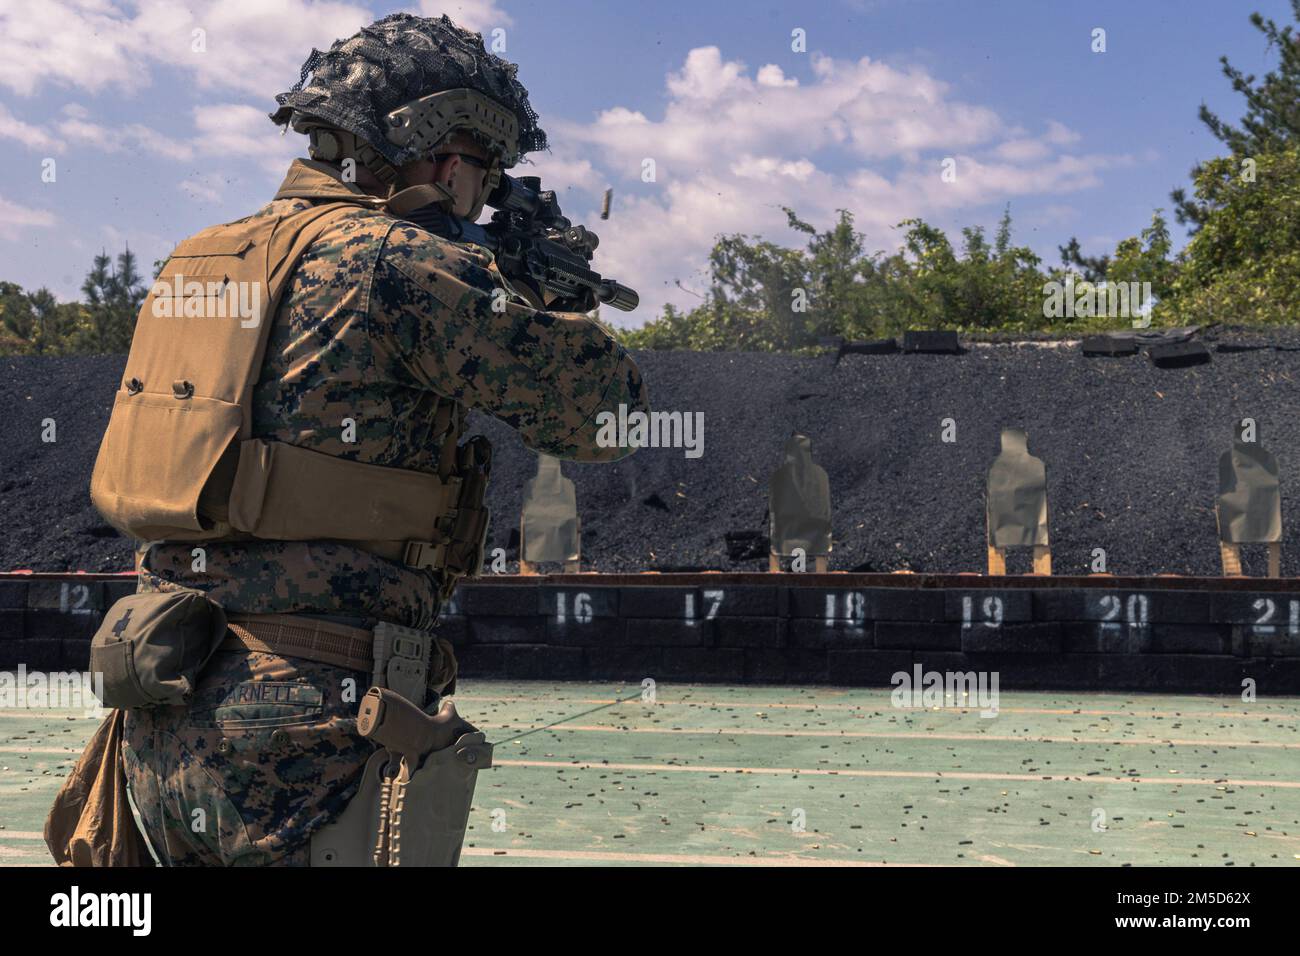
point(1131, 453)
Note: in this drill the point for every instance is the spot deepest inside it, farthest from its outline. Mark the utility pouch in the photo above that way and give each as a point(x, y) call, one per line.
point(151, 647)
point(471, 518)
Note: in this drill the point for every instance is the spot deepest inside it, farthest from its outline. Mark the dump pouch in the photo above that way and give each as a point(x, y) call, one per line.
point(91, 823)
point(151, 647)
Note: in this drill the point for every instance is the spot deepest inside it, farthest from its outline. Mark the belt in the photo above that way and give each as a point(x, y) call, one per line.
point(311, 640)
point(326, 643)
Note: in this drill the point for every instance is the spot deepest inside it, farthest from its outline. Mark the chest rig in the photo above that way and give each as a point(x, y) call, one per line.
point(178, 461)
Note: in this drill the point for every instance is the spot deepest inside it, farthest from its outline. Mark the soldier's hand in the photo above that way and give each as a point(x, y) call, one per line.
point(546, 300)
point(579, 303)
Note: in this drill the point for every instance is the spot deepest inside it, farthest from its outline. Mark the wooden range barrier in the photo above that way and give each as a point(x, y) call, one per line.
point(1164, 633)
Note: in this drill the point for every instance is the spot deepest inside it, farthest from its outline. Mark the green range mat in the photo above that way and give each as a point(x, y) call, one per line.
point(591, 773)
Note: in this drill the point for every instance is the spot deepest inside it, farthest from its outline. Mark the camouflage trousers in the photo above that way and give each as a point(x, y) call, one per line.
point(265, 755)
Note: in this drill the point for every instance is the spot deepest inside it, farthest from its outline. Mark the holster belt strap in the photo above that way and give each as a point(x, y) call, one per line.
point(321, 641)
point(326, 643)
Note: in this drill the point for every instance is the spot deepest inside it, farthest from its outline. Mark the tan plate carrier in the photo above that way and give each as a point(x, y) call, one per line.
point(179, 462)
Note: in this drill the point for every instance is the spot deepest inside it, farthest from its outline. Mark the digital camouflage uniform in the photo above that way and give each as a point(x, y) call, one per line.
point(392, 327)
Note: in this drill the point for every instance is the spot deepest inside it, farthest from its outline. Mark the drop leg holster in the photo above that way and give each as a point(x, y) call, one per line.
point(405, 816)
point(412, 807)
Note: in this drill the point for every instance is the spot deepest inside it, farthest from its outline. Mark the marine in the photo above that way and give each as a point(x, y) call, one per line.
point(333, 499)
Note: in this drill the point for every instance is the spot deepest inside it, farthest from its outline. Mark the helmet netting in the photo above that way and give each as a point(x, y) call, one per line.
point(393, 61)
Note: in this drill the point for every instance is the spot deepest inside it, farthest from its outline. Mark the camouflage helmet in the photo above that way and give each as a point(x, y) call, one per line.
point(392, 63)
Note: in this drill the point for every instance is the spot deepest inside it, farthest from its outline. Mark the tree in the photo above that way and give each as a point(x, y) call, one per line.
point(1092, 268)
point(113, 299)
point(997, 287)
point(838, 273)
point(1272, 118)
point(767, 297)
point(1146, 258)
point(1243, 265)
point(17, 319)
point(1271, 121)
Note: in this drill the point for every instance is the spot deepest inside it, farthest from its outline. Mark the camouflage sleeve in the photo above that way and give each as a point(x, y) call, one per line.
point(442, 317)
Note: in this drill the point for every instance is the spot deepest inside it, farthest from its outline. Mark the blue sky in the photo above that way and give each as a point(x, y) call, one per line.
point(153, 139)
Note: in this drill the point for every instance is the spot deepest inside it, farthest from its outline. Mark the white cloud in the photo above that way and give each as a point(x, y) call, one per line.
point(253, 46)
point(731, 146)
point(15, 218)
point(773, 75)
point(135, 137)
point(768, 168)
point(872, 110)
point(980, 182)
point(242, 135)
point(705, 77)
point(11, 127)
point(734, 146)
point(481, 16)
point(1061, 135)
point(1023, 150)
point(152, 141)
point(86, 44)
point(563, 168)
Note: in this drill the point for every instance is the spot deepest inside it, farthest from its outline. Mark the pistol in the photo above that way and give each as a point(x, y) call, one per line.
point(397, 725)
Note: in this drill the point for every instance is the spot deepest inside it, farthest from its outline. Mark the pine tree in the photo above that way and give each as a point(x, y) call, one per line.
point(1272, 118)
point(1092, 268)
point(45, 336)
point(113, 297)
point(128, 294)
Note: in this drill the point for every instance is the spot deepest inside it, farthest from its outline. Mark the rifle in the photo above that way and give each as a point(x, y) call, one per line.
point(534, 243)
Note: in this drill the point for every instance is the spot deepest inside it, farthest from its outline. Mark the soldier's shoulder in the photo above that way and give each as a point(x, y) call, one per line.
point(360, 227)
point(357, 223)
point(414, 250)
